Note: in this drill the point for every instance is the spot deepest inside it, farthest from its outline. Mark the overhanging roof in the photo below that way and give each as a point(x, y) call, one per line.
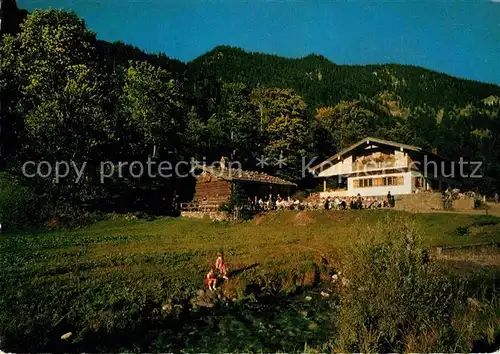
point(368, 140)
point(233, 174)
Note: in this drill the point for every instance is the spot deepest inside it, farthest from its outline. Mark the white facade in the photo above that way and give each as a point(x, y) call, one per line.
point(405, 188)
point(338, 167)
point(373, 167)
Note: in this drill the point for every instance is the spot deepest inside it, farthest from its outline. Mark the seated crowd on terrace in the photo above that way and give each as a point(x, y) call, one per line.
point(314, 202)
point(273, 202)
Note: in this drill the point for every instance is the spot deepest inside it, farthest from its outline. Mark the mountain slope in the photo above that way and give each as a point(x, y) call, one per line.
point(322, 82)
point(119, 53)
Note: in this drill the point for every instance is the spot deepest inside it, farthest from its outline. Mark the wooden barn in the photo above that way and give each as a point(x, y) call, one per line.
point(214, 186)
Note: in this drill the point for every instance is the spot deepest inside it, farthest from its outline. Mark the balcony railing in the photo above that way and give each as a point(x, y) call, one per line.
point(371, 166)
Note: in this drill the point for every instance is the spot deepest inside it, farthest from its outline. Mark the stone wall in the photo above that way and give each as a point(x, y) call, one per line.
point(463, 204)
point(420, 202)
point(214, 215)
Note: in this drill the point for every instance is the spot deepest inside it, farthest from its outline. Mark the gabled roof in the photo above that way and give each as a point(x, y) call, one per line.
point(367, 140)
point(233, 174)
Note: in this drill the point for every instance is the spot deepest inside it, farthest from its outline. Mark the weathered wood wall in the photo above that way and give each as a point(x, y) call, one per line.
point(211, 190)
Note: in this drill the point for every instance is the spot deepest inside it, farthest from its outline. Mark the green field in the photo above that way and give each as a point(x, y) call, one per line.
point(106, 283)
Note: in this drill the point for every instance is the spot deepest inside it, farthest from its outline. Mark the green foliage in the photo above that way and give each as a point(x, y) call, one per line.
point(68, 217)
point(231, 130)
point(397, 302)
point(284, 126)
point(10, 124)
point(19, 207)
point(152, 107)
point(396, 102)
point(323, 83)
point(66, 103)
point(61, 89)
point(67, 96)
point(12, 16)
point(486, 220)
point(237, 129)
point(109, 281)
point(347, 122)
point(225, 207)
point(238, 199)
point(461, 231)
point(59, 95)
point(118, 54)
point(423, 127)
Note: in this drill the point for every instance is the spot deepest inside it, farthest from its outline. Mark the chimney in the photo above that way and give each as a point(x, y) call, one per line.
point(223, 163)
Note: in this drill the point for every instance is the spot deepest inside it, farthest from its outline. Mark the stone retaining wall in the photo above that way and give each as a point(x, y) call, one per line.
point(420, 202)
point(463, 204)
point(214, 215)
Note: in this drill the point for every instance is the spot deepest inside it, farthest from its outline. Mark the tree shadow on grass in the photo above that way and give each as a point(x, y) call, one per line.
point(241, 270)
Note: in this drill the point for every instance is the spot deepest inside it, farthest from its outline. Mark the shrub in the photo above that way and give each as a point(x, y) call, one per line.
point(461, 231)
point(486, 221)
point(67, 216)
point(19, 206)
point(395, 299)
point(225, 207)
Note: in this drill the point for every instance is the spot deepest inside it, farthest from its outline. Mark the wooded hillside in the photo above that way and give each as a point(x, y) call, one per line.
point(323, 83)
point(67, 96)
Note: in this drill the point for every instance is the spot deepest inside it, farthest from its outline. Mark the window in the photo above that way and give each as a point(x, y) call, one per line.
point(363, 183)
point(378, 182)
point(393, 181)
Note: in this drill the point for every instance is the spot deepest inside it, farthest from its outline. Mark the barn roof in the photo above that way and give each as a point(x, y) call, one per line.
point(234, 174)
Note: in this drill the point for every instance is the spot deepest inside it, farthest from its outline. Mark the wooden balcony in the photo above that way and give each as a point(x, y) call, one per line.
point(372, 166)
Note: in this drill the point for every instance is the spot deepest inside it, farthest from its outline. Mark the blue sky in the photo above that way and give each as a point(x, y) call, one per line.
point(460, 38)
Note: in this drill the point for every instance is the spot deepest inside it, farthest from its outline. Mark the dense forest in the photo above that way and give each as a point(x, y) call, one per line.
point(323, 83)
point(67, 96)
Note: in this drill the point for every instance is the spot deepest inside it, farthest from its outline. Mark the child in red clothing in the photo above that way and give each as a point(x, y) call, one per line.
point(221, 266)
point(211, 279)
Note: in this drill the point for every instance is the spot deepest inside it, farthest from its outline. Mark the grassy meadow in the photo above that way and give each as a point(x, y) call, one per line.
point(107, 283)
